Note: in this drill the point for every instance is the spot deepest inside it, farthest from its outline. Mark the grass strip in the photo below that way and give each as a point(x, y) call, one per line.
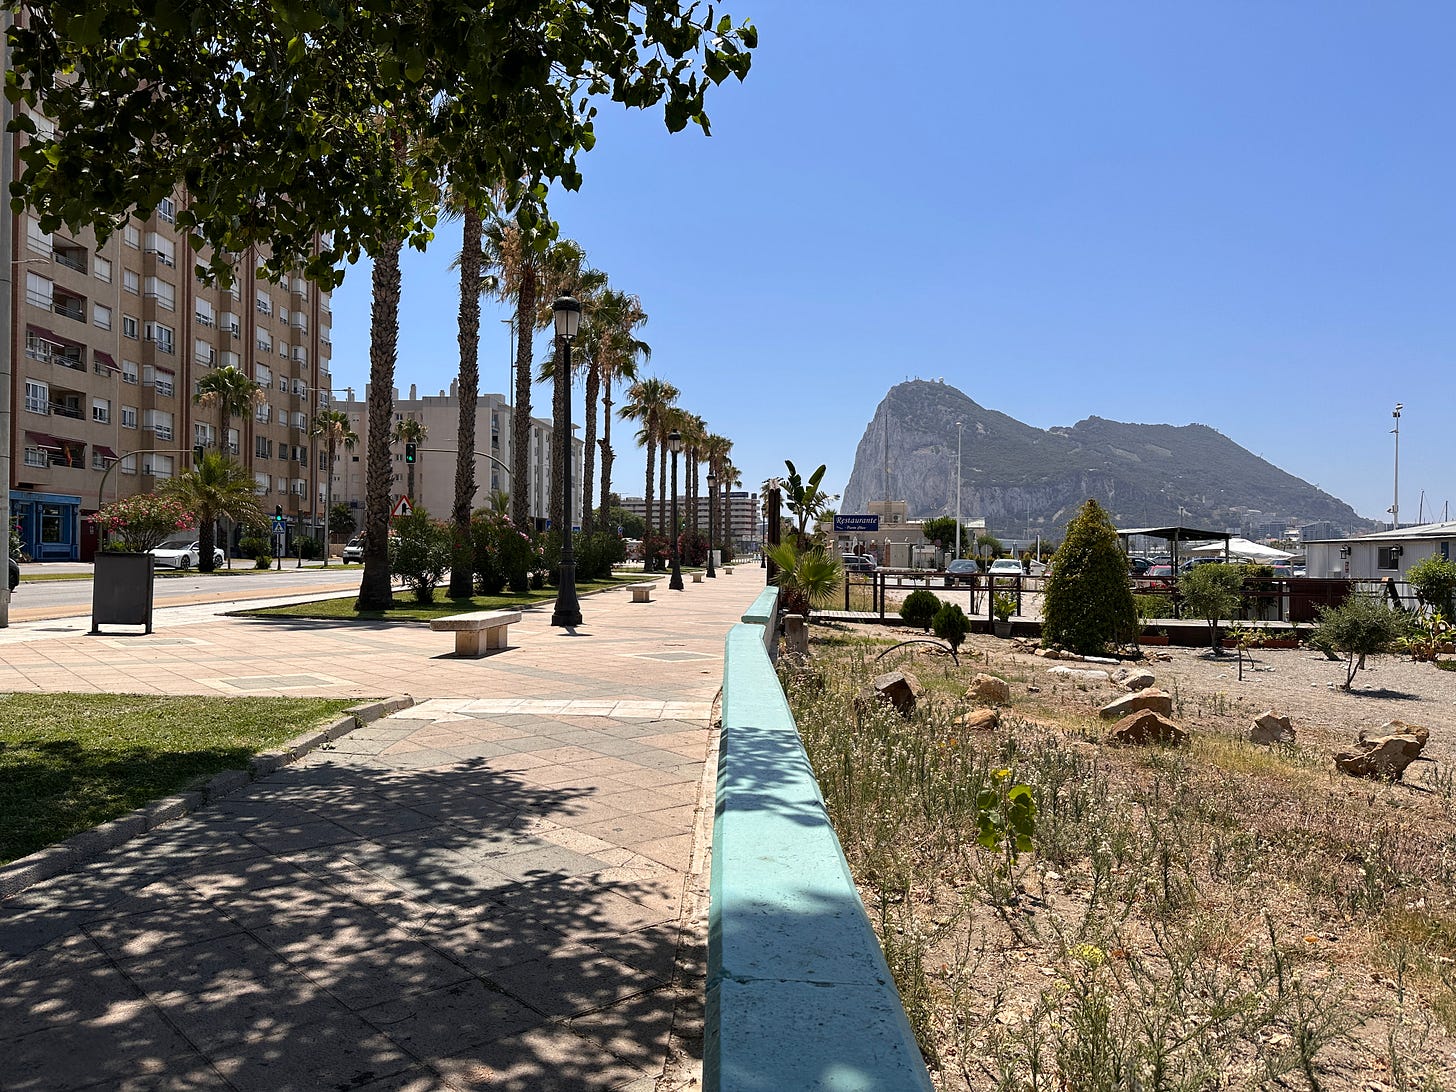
point(405, 608)
point(71, 761)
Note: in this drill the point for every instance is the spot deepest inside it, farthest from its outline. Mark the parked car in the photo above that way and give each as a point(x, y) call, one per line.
point(1157, 576)
point(1193, 563)
point(857, 563)
point(14, 573)
point(354, 549)
point(963, 570)
point(1138, 566)
point(183, 553)
point(1006, 566)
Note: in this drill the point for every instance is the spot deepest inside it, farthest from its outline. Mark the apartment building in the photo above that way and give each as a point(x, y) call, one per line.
point(435, 465)
point(109, 343)
point(742, 514)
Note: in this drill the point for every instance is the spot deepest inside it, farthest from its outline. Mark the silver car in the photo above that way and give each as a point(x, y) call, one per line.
point(183, 553)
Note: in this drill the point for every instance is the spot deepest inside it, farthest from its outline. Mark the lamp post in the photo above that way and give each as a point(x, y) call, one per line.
point(1395, 505)
point(960, 428)
point(712, 506)
point(674, 444)
point(567, 313)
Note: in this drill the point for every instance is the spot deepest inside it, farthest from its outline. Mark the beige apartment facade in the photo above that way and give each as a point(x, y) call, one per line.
point(108, 344)
point(435, 459)
point(743, 515)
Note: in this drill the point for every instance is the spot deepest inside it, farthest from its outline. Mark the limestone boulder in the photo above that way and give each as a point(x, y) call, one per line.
point(1384, 752)
point(989, 690)
point(1138, 680)
point(980, 720)
point(898, 689)
point(1157, 701)
point(1074, 674)
point(1270, 727)
point(1144, 727)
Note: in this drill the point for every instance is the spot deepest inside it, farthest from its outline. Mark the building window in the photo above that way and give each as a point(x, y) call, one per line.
point(128, 465)
point(128, 371)
point(162, 247)
point(167, 211)
point(102, 267)
point(101, 410)
point(1388, 557)
point(39, 291)
point(35, 238)
point(35, 457)
point(131, 281)
point(128, 417)
point(264, 303)
point(264, 341)
point(161, 335)
point(262, 447)
point(263, 375)
point(101, 316)
point(131, 236)
point(164, 292)
point(129, 326)
point(204, 312)
point(260, 483)
point(37, 397)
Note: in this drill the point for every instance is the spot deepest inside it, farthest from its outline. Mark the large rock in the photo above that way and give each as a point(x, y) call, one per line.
point(1385, 752)
point(980, 720)
point(989, 690)
point(1270, 727)
point(899, 689)
point(1075, 674)
point(1138, 680)
point(1144, 727)
point(1157, 701)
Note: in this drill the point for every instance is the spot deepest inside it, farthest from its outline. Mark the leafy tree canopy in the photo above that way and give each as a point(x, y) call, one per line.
point(1211, 592)
point(287, 120)
point(1088, 598)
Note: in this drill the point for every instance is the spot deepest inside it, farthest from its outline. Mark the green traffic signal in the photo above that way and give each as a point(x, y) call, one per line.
point(409, 452)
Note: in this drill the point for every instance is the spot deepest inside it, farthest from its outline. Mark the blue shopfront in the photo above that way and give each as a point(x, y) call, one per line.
point(49, 524)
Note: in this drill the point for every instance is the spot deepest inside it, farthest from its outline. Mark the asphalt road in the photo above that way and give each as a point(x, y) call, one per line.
point(36, 600)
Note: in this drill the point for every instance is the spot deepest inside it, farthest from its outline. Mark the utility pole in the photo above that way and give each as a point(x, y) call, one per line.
point(7, 335)
point(1395, 504)
point(960, 428)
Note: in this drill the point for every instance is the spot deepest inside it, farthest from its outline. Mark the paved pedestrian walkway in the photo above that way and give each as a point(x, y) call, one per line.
point(501, 887)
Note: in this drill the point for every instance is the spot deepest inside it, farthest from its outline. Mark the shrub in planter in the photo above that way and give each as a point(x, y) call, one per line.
point(950, 624)
point(919, 608)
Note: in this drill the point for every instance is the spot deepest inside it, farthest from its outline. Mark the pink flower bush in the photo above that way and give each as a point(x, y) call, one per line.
point(142, 522)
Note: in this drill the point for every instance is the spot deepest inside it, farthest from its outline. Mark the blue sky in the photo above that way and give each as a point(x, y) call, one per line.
point(1239, 213)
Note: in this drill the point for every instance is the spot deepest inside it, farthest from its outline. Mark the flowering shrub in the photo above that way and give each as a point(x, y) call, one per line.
point(142, 522)
point(421, 555)
point(504, 555)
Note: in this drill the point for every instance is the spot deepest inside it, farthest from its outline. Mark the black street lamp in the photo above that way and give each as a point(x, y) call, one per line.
point(674, 444)
point(567, 313)
point(712, 507)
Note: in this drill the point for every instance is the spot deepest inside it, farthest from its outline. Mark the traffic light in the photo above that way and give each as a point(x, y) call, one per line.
point(278, 511)
point(409, 452)
point(197, 455)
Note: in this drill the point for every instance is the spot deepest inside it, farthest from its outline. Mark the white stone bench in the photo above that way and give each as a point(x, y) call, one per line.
point(697, 576)
point(469, 628)
point(642, 593)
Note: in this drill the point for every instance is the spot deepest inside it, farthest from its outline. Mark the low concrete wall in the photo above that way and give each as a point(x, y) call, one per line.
point(763, 612)
point(798, 993)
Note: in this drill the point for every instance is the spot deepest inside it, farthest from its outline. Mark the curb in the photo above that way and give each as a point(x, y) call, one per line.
point(65, 856)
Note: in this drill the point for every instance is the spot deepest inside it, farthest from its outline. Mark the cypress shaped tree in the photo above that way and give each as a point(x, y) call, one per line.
point(1088, 597)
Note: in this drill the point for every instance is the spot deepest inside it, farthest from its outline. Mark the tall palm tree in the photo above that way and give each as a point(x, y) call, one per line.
point(647, 400)
point(217, 486)
point(672, 421)
point(333, 425)
point(411, 431)
point(231, 392)
point(511, 259)
point(619, 315)
point(564, 272)
point(375, 592)
point(729, 478)
point(714, 450)
point(693, 429)
point(462, 556)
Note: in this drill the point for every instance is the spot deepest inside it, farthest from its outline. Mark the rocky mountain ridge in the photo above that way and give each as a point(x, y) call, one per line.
point(1024, 480)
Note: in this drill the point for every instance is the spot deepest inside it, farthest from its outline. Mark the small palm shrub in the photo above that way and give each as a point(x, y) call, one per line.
point(919, 608)
point(950, 624)
point(807, 578)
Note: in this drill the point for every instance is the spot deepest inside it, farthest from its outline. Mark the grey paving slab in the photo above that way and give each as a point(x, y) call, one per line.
point(483, 891)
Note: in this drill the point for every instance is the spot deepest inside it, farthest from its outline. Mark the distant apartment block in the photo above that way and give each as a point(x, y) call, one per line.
point(742, 512)
point(435, 460)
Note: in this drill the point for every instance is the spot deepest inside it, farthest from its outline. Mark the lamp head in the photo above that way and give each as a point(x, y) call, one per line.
point(567, 313)
point(674, 441)
point(712, 479)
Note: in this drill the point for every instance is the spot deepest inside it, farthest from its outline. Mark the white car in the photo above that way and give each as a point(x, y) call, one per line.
point(182, 553)
point(1006, 566)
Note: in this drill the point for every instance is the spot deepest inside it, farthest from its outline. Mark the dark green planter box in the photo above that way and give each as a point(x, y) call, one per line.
point(121, 593)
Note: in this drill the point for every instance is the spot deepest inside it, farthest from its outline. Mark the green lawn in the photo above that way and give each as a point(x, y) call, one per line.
point(71, 761)
point(46, 578)
point(405, 608)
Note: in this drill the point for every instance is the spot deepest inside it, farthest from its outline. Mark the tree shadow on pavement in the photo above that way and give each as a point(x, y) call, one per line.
point(338, 925)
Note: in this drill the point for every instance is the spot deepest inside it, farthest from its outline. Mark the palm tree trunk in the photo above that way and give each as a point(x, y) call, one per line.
point(607, 454)
point(521, 412)
point(726, 528)
point(206, 541)
point(662, 498)
point(329, 500)
point(593, 388)
point(560, 440)
point(651, 466)
point(374, 589)
point(462, 556)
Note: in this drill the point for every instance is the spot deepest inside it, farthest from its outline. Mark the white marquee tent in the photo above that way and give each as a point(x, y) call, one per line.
point(1241, 549)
